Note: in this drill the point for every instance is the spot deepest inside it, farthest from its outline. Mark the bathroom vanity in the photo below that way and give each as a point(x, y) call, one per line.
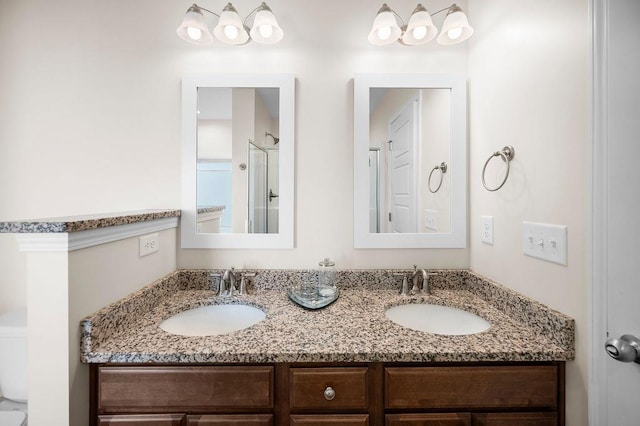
point(337, 394)
point(346, 364)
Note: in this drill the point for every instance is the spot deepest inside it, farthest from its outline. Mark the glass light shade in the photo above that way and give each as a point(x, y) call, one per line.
point(455, 28)
point(265, 27)
point(193, 28)
point(230, 17)
point(385, 29)
point(420, 28)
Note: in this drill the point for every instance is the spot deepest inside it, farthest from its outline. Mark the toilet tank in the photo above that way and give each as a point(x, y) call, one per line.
point(13, 355)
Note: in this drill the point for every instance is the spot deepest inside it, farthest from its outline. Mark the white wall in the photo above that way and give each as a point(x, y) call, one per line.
point(528, 87)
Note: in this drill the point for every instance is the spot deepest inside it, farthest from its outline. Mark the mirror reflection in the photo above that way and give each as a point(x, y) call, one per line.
point(409, 158)
point(238, 160)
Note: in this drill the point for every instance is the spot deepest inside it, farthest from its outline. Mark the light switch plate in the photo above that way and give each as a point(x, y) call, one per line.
point(544, 241)
point(431, 220)
point(487, 229)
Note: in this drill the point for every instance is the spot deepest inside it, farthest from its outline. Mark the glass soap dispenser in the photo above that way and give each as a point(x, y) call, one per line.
point(326, 278)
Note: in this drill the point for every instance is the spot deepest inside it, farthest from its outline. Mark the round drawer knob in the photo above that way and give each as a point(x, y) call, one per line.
point(329, 393)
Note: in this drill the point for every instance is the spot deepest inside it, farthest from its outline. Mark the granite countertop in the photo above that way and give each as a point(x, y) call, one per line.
point(352, 329)
point(84, 222)
point(210, 209)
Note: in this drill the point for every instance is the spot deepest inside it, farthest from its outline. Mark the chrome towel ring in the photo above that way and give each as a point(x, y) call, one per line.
point(443, 169)
point(507, 153)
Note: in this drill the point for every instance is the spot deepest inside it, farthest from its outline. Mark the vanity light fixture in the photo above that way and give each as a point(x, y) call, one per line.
point(389, 27)
point(230, 29)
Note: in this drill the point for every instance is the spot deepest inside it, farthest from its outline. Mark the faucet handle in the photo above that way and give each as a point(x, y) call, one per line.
point(217, 289)
point(404, 289)
point(242, 290)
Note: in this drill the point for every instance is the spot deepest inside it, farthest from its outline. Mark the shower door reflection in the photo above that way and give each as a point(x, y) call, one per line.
point(263, 190)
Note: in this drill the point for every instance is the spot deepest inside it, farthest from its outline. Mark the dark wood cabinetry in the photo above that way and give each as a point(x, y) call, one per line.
point(349, 394)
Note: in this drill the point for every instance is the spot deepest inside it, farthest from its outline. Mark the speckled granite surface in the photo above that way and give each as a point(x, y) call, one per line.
point(84, 222)
point(352, 329)
point(210, 209)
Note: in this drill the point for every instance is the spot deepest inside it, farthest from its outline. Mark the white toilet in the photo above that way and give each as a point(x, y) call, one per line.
point(13, 368)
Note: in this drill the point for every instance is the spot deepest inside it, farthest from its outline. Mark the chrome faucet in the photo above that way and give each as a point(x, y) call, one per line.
point(415, 278)
point(228, 282)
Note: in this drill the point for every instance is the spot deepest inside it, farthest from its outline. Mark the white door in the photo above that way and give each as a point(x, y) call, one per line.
point(615, 385)
point(403, 137)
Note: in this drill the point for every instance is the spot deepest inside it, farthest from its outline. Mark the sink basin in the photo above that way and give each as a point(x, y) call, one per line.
point(213, 320)
point(437, 319)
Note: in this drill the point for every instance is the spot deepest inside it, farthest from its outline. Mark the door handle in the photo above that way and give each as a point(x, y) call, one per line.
point(272, 195)
point(625, 349)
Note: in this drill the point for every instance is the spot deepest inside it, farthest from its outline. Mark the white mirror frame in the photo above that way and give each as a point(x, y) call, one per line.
point(457, 238)
point(189, 237)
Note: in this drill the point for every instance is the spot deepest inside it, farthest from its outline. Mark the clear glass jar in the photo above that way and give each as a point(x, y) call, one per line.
point(326, 278)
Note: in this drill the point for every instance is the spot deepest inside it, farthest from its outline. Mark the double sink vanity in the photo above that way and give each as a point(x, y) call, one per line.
point(346, 364)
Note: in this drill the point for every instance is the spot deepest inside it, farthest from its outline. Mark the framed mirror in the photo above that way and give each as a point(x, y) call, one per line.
point(237, 160)
point(410, 161)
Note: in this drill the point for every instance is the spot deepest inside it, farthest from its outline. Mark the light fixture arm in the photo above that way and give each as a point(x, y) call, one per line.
point(446, 8)
point(386, 8)
point(195, 8)
point(251, 14)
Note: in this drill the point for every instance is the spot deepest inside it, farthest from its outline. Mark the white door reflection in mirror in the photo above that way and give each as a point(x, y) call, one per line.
point(238, 152)
point(411, 128)
point(237, 160)
point(417, 124)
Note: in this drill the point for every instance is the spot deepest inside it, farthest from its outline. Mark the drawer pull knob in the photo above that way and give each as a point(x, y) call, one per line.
point(329, 393)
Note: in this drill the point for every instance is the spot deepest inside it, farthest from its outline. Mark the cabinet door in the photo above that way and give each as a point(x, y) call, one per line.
point(515, 419)
point(330, 420)
point(142, 420)
point(167, 389)
point(429, 419)
point(329, 388)
point(231, 420)
point(472, 387)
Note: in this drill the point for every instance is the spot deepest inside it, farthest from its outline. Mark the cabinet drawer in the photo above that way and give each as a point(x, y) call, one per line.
point(429, 419)
point(472, 387)
point(515, 419)
point(150, 389)
point(231, 420)
point(142, 420)
point(308, 386)
point(330, 420)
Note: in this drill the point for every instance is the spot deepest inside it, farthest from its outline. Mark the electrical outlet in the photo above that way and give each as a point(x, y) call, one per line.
point(544, 241)
point(149, 244)
point(487, 229)
point(431, 219)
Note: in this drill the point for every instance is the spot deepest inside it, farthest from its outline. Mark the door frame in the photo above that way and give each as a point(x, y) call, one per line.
point(598, 10)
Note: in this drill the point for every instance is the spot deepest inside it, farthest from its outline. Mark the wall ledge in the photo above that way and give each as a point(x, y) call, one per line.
point(71, 241)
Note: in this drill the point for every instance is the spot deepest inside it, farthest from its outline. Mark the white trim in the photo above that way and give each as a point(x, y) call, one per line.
point(457, 238)
point(71, 241)
point(285, 237)
point(599, 219)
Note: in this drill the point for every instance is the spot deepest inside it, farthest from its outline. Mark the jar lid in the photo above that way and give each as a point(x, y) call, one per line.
point(327, 262)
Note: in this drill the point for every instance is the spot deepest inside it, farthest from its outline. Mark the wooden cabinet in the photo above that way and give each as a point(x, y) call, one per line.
point(429, 419)
point(329, 388)
point(161, 389)
point(348, 394)
point(230, 420)
point(142, 420)
point(329, 420)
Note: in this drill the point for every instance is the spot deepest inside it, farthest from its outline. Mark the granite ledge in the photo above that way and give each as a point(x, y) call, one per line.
point(353, 329)
point(84, 222)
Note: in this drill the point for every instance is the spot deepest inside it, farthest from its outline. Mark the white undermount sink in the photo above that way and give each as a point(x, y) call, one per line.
point(213, 320)
point(437, 319)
